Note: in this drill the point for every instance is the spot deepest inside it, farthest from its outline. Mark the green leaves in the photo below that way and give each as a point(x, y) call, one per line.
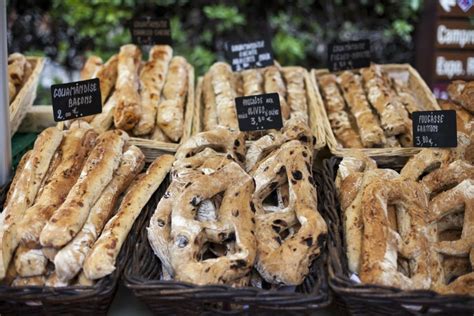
point(227, 17)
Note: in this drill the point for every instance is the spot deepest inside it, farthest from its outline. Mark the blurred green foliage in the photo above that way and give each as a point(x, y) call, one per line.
point(300, 29)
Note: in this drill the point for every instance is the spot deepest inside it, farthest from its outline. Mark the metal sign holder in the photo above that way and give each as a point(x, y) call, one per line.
point(5, 138)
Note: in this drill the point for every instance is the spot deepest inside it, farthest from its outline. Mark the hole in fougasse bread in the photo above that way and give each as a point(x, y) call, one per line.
point(454, 267)
point(278, 198)
point(207, 210)
point(432, 167)
point(212, 250)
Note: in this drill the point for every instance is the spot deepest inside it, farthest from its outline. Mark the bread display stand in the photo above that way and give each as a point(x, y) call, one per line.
point(368, 299)
point(381, 155)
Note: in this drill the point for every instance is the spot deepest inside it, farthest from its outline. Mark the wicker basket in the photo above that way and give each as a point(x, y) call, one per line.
point(381, 155)
point(27, 94)
point(313, 111)
point(71, 300)
point(41, 117)
point(143, 276)
point(366, 299)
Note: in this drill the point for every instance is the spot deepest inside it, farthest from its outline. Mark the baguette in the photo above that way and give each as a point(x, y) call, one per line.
point(296, 93)
point(210, 114)
point(50, 253)
point(338, 117)
point(128, 110)
point(82, 280)
point(69, 260)
point(371, 134)
point(382, 99)
point(73, 151)
point(158, 135)
point(30, 262)
point(103, 121)
point(107, 74)
point(170, 115)
point(91, 67)
point(274, 83)
point(24, 192)
point(97, 172)
point(19, 170)
point(221, 78)
point(152, 78)
point(16, 68)
point(101, 259)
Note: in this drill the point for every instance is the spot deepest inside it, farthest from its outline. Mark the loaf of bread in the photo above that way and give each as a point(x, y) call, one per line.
point(296, 92)
point(30, 262)
point(97, 172)
point(221, 79)
point(152, 78)
point(170, 116)
point(24, 192)
point(101, 259)
point(274, 83)
point(91, 67)
point(210, 120)
point(338, 117)
point(69, 260)
point(73, 151)
point(371, 134)
point(128, 110)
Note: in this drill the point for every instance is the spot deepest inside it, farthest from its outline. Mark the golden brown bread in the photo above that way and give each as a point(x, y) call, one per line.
point(296, 92)
point(69, 260)
point(209, 99)
point(221, 79)
point(24, 192)
point(101, 259)
point(127, 113)
point(73, 151)
point(274, 83)
point(462, 93)
point(152, 78)
point(90, 68)
point(97, 172)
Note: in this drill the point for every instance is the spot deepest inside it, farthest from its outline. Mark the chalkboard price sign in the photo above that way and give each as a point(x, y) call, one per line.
point(259, 112)
point(250, 54)
point(434, 129)
point(76, 99)
point(147, 30)
point(348, 55)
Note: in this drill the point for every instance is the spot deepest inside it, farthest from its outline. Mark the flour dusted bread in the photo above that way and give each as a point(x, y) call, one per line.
point(30, 262)
point(296, 93)
point(128, 110)
point(101, 259)
point(74, 149)
point(221, 79)
point(462, 93)
point(274, 83)
point(69, 260)
point(24, 192)
point(152, 79)
point(97, 172)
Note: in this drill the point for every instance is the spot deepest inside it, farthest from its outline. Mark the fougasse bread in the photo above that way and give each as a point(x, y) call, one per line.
point(101, 259)
point(97, 172)
point(69, 260)
point(24, 192)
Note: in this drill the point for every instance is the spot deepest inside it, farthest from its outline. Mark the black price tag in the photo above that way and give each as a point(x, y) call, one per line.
point(348, 55)
point(76, 99)
point(147, 30)
point(434, 129)
point(249, 54)
point(259, 112)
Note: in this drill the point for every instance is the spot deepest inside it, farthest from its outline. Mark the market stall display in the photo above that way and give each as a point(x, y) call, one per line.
point(369, 110)
point(233, 230)
point(219, 86)
point(64, 223)
point(398, 232)
point(23, 76)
